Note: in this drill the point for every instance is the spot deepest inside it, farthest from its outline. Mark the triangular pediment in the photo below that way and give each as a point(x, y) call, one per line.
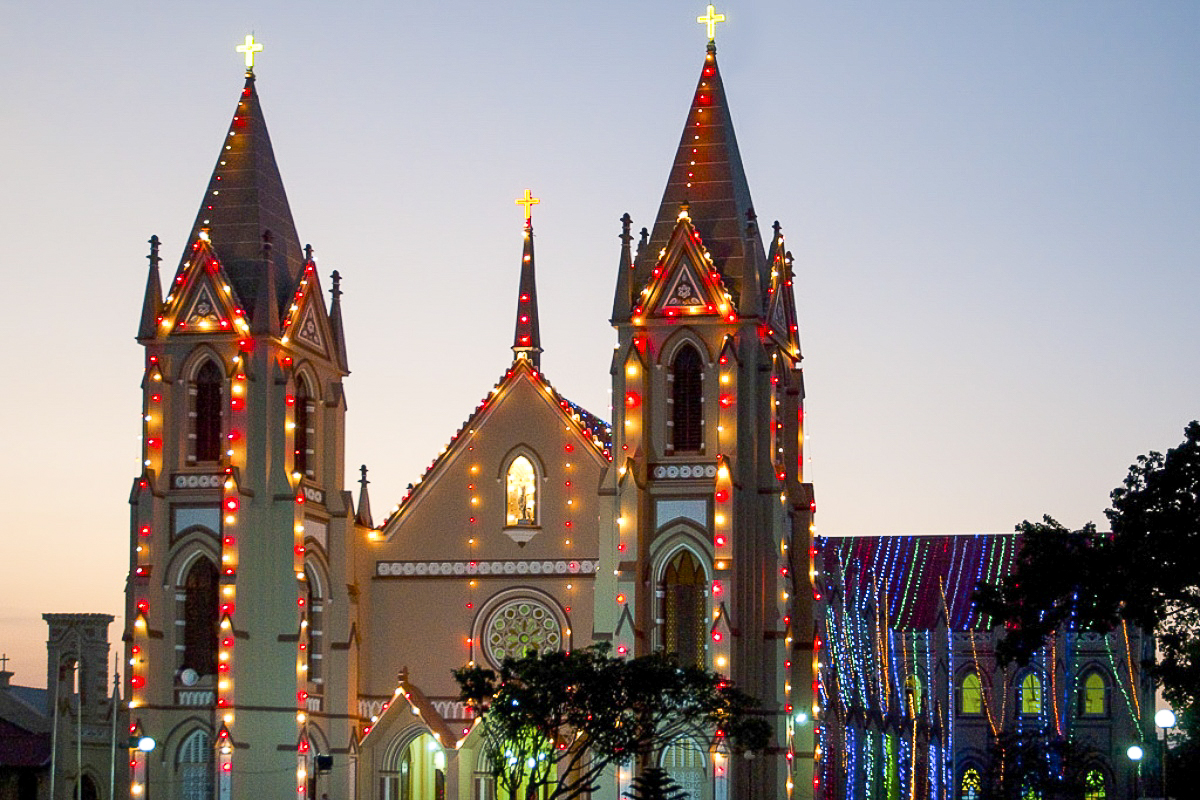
point(307, 322)
point(201, 300)
point(685, 282)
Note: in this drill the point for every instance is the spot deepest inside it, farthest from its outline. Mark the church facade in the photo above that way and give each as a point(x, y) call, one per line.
point(280, 638)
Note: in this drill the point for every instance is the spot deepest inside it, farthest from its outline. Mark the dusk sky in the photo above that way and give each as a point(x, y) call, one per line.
point(994, 210)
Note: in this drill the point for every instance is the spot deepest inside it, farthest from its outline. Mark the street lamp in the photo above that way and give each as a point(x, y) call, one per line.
point(1165, 719)
point(1135, 754)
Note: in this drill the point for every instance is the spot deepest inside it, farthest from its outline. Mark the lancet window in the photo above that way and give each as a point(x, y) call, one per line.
point(206, 414)
point(200, 618)
point(687, 401)
point(521, 493)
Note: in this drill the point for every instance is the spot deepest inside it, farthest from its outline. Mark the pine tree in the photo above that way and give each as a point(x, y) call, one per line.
point(655, 784)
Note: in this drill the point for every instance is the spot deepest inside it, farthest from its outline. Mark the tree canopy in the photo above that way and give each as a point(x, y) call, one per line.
point(556, 721)
point(1145, 572)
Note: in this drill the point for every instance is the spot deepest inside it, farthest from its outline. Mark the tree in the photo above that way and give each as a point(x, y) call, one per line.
point(556, 721)
point(655, 783)
point(1146, 572)
point(1036, 763)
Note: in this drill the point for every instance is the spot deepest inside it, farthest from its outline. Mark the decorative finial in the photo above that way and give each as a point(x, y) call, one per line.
point(626, 222)
point(154, 259)
point(644, 238)
point(684, 208)
point(308, 253)
point(251, 47)
point(363, 469)
point(336, 291)
point(529, 201)
point(710, 19)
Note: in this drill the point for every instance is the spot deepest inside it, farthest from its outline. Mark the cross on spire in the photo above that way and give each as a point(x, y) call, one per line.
point(4, 663)
point(529, 201)
point(251, 47)
point(710, 19)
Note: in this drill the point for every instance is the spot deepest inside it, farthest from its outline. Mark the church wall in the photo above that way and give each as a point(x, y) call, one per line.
point(434, 574)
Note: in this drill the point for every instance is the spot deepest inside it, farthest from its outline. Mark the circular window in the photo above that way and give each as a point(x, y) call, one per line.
point(519, 626)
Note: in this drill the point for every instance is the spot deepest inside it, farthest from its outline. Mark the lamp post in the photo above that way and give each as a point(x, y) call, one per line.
point(1165, 719)
point(1135, 754)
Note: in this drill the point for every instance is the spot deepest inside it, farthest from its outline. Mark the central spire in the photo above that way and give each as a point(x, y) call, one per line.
point(707, 176)
point(527, 339)
point(244, 199)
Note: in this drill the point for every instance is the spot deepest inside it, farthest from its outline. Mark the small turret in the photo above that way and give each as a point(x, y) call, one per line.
point(623, 300)
point(335, 319)
point(152, 301)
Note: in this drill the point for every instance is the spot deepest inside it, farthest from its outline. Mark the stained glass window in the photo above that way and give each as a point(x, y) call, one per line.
point(971, 787)
point(970, 700)
point(1095, 695)
point(683, 596)
point(687, 412)
point(1094, 786)
point(519, 626)
point(195, 767)
point(1031, 694)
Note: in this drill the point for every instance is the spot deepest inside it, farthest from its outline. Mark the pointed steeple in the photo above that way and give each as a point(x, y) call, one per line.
point(363, 516)
point(527, 340)
point(707, 175)
point(245, 197)
point(623, 300)
point(152, 302)
point(335, 316)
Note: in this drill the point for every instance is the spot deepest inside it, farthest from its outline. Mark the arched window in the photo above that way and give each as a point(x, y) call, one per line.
point(1094, 786)
point(970, 695)
point(86, 789)
point(195, 767)
point(684, 606)
point(687, 396)
point(316, 626)
point(971, 785)
point(1031, 695)
point(521, 493)
point(200, 618)
point(206, 413)
point(302, 435)
point(1094, 696)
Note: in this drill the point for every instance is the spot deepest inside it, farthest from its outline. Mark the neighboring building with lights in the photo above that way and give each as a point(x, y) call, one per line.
point(280, 641)
point(912, 698)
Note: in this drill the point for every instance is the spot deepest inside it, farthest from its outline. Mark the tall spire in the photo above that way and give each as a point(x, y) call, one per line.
point(152, 301)
point(708, 176)
point(245, 197)
point(527, 339)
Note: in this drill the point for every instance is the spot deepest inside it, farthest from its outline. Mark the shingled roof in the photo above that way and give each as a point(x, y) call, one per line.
point(707, 176)
point(244, 199)
point(913, 573)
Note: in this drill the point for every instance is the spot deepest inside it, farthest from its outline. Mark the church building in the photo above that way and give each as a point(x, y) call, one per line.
point(283, 641)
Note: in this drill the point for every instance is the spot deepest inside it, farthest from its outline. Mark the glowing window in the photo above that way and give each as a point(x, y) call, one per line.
point(1095, 695)
point(970, 695)
point(687, 411)
point(683, 597)
point(206, 413)
point(1094, 786)
point(971, 787)
point(521, 492)
point(1031, 694)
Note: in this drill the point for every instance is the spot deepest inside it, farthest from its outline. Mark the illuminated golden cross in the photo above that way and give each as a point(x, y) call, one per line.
point(251, 47)
point(711, 19)
point(529, 201)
